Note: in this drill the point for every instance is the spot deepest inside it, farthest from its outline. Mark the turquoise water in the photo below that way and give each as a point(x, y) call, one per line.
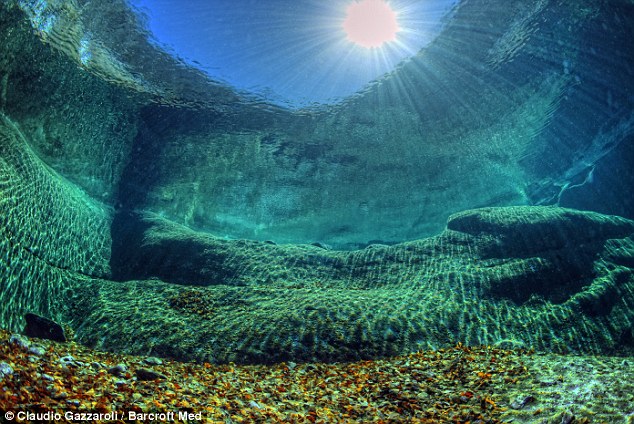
point(479, 192)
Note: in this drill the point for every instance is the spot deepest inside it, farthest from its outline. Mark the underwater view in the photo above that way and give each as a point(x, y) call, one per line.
point(405, 211)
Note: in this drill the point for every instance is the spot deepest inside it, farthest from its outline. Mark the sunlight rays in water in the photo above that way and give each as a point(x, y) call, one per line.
point(292, 54)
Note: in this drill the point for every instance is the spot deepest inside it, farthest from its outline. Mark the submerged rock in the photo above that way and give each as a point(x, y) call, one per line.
point(145, 374)
point(530, 277)
point(43, 328)
point(118, 370)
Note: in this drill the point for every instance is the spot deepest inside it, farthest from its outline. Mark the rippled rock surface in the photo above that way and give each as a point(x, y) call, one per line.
point(136, 211)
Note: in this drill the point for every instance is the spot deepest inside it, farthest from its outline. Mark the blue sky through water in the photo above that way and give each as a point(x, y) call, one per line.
point(292, 52)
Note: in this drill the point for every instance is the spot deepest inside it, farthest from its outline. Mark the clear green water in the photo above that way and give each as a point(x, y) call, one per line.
point(153, 209)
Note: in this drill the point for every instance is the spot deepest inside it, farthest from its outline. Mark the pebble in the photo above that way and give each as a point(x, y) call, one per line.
point(47, 377)
point(68, 361)
point(145, 374)
point(37, 350)
point(19, 340)
point(5, 369)
point(118, 370)
point(151, 360)
point(58, 395)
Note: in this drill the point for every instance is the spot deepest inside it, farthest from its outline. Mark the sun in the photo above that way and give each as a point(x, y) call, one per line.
point(370, 23)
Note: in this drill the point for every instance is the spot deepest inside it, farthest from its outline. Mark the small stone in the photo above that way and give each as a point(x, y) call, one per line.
point(47, 377)
point(5, 370)
point(291, 365)
point(145, 374)
point(97, 365)
point(118, 370)
point(43, 328)
point(19, 340)
point(37, 350)
point(151, 360)
point(254, 404)
point(68, 360)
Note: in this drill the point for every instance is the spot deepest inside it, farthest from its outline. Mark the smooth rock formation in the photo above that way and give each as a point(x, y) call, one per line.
point(543, 277)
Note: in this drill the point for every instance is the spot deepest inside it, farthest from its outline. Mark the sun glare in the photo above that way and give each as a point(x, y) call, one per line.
point(370, 23)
